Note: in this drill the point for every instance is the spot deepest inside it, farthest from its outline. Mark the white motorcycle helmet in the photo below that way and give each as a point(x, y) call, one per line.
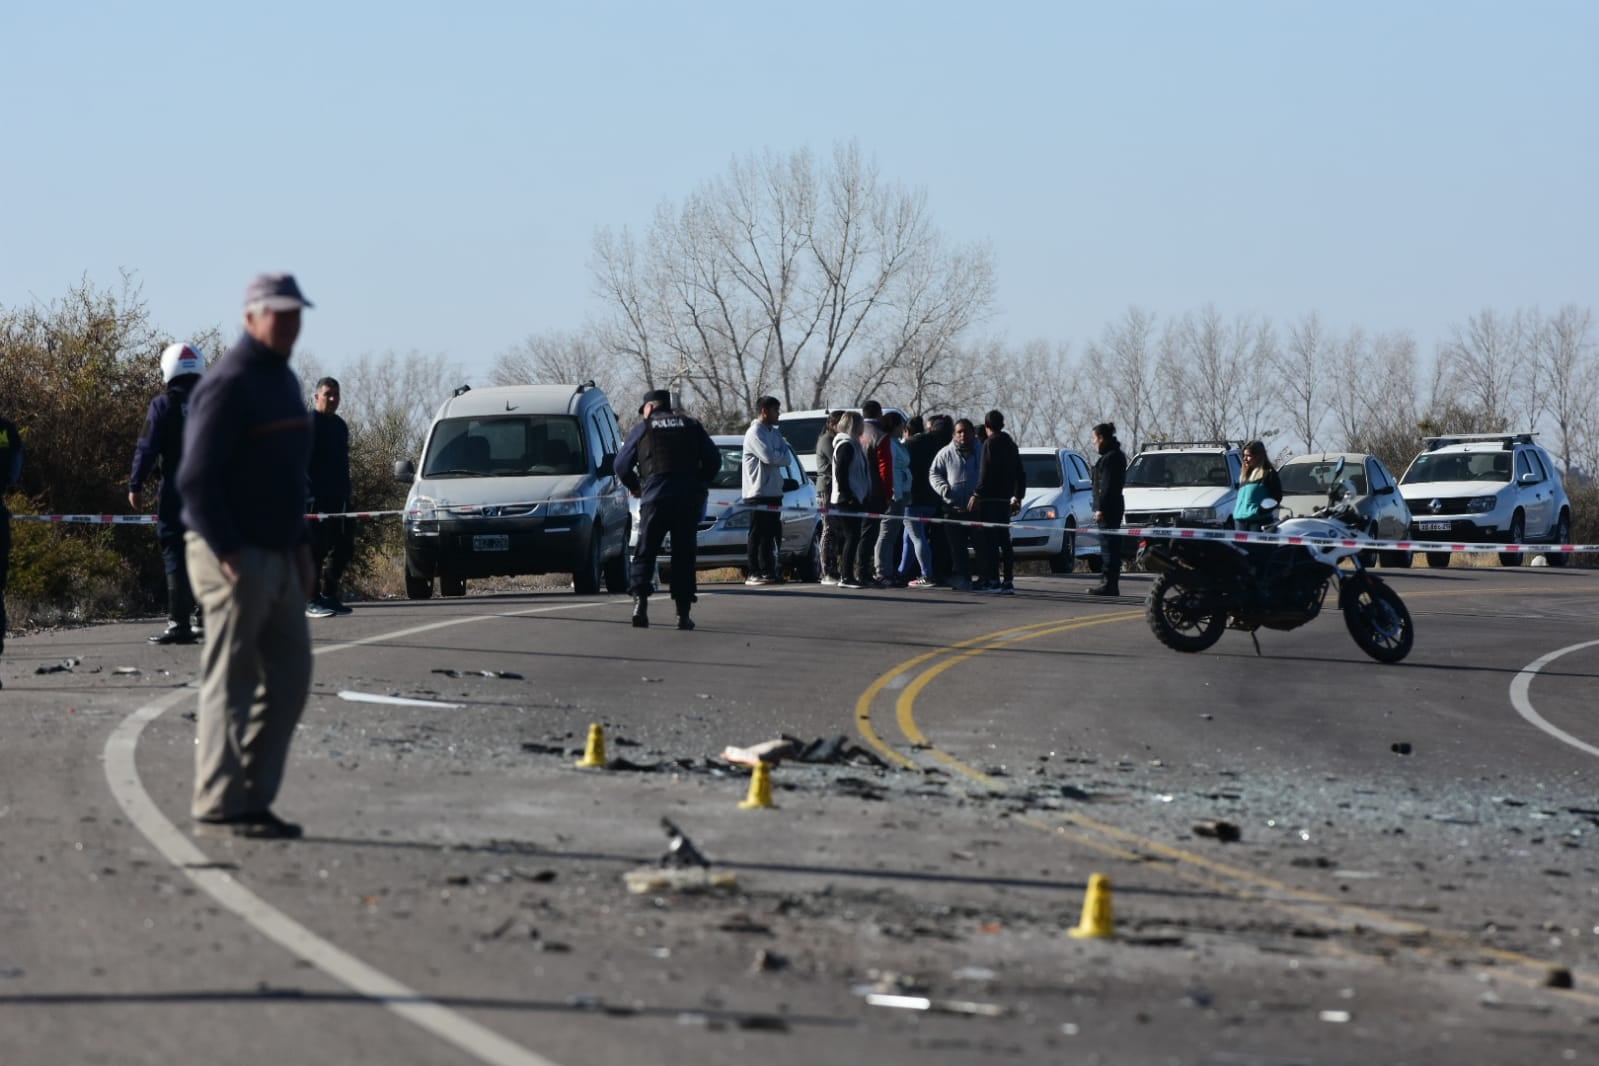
point(180, 359)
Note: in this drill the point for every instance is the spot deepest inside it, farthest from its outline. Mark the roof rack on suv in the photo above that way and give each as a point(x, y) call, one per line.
point(1156, 445)
point(1509, 440)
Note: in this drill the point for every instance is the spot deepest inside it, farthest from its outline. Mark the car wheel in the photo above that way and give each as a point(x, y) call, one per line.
point(1438, 560)
point(418, 582)
point(1518, 534)
point(586, 581)
point(1562, 536)
point(616, 571)
point(1066, 561)
point(808, 567)
point(452, 586)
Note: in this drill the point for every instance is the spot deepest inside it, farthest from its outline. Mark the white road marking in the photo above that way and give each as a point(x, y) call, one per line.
point(122, 775)
point(1520, 698)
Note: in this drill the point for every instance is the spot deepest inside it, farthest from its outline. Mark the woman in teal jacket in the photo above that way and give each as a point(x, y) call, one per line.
point(1258, 484)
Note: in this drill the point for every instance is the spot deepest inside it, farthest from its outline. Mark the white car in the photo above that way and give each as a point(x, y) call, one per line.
point(1060, 497)
point(1487, 488)
point(802, 428)
point(1307, 478)
point(725, 529)
point(1183, 483)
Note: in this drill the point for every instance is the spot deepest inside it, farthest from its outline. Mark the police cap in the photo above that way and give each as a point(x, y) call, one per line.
point(659, 397)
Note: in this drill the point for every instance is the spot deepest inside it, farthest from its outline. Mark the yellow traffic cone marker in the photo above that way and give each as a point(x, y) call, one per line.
point(760, 788)
point(594, 753)
point(1097, 922)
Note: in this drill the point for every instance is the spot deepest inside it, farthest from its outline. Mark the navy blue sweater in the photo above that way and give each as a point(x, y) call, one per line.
point(246, 444)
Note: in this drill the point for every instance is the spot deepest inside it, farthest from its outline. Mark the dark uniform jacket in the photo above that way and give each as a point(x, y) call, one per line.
point(329, 472)
point(1110, 478)
point(673, 455)
point(160, 447)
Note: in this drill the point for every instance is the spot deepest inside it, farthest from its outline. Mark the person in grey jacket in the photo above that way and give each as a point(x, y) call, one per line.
point(954, 477)
point(765, 455)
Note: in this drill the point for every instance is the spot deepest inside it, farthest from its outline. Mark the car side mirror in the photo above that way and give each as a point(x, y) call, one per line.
point(1529, 478)
point(404, 471)
point(790, 485)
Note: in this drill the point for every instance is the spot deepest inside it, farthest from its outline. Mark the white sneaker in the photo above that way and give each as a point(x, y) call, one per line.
point(755, 579)
point(829, 579)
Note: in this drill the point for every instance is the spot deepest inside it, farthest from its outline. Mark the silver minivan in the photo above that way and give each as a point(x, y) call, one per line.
point(517, 480)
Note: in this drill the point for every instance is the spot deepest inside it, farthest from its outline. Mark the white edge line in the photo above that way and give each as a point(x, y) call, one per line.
point(1521, 699)
point(122, 775)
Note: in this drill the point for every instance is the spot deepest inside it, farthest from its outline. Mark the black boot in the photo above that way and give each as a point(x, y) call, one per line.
point(683, 620)
point(180, 604)
point(641, 612)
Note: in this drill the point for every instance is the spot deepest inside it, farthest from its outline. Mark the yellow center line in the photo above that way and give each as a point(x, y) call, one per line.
point(1187, 866)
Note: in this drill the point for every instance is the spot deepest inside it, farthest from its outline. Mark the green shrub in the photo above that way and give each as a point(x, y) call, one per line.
point(66, 573)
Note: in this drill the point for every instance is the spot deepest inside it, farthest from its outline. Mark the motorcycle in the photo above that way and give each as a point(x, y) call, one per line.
point(1203, 587)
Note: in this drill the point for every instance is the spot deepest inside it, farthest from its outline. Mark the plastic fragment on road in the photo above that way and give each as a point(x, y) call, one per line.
point(687, 880)
point(507, 675)
point(680, 850)
point(938, 1006)
point(396, 701)
point(1225, 832)
point(1337, 1017)
point(1098, 921)
point(767, 751)
point(125, 671)
point(65, 666)
point(1400, 747)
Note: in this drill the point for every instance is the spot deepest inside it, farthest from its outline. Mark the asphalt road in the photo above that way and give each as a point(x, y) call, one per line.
point(1414, 866)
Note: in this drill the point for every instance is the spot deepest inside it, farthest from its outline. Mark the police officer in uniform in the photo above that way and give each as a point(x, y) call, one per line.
point(161, 447)
point(676, 460)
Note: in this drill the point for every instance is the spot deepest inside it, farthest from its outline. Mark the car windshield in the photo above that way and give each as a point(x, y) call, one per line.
point(1041, 471)
point(1173, 469)
point(1458, 466)
point(801, 433)
point(731, 474)
point(1314, 479)
point(505, 446)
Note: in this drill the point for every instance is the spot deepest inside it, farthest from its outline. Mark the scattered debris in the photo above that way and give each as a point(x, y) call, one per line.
point(399, 701)
point(680, 850)
point(938, 1006)
point(65, 666)
point(1337, 1017)
point(767, 751)
point(743, 923)
point(693, 879)
point(1225, 832)
point(125, 671)
point(1400, 747)
point(1558, 977)
point(836, 749)
point(507, 675)
point(768, 961)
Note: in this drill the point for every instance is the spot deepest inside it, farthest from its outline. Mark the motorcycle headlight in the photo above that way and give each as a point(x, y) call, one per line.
point(1199, 516)
point(738, 519)
point(557, 508)
point(1482, 504)
point(1038, 514)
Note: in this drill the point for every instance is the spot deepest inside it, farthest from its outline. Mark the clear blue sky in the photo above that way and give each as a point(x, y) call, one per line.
point(434, 173)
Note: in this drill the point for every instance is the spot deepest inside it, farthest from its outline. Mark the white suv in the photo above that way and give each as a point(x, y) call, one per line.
point(1486, 488)
point(1183, 483)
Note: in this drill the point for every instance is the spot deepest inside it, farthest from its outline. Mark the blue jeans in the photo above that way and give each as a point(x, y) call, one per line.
point(918, 553)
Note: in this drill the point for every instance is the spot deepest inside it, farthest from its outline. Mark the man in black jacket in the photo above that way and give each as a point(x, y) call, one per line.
point(332, 539)
point(1110, 479)
point(1001, 484)
point(246, 446)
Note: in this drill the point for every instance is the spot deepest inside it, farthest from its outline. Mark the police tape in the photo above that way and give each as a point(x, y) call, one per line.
point(538, 508)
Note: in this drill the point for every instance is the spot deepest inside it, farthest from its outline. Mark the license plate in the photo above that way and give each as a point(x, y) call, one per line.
point(1434, 527)
point(492, 542)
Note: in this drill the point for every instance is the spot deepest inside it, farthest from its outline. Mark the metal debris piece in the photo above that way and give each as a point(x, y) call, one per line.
point(680, 850)
point(768, 961)
point(1338, 1017)
point(1225, 832)
point(1400, 747)
point(125, 671)
point(688, 880)
point(507, 675)
point(65, 666)
point(399, 701)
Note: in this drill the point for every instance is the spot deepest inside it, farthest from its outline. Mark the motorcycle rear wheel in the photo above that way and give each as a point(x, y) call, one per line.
point(1171, 616)
point(1380, 623)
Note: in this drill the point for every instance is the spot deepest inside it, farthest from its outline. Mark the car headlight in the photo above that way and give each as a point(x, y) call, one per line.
point(1481, 504)
point(739, 519)
point(423, 510)
point(1038, 514)
point(556, 508)
point(1199, 516)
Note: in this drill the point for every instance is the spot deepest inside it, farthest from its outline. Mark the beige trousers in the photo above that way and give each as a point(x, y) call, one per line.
point(257, 673)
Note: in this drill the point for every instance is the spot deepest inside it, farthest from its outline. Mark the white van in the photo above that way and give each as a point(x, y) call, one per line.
point(802, 428)
point(517, 480)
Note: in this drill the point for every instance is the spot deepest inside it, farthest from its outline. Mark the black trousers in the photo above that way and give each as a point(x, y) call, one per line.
point(766, 538)
point(994, 548)
point(680, 517)
point(332, 548)
point(1110, 551)
point(849, 530)
point(958, 535)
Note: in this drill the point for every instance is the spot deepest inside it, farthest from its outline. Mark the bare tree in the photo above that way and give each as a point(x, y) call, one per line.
point(557, 358)
point(1570, 371)
point(784, 276)
point(1120, 370)
point(1487, 367)
point(1302, 368)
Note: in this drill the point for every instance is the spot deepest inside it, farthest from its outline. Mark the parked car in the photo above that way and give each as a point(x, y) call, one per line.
point(517, 480)
point(1487, 488)
point(1182, 483)
point(724, 531)
point(1060, 497)
point(1306, 479)
point(801, 428)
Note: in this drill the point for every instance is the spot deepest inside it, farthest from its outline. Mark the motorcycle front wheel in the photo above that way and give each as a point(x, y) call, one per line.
point(1174, 618)
point(1380, 623)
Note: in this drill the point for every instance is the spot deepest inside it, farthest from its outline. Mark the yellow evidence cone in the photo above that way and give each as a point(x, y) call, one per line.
point(1098, 922)
point(594, 754)
point(760, 788)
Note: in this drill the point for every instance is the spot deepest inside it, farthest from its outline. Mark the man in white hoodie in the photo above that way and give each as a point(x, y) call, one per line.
point(765, 455)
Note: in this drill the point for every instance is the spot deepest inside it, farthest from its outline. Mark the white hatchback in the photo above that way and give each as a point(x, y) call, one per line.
point(1059, 502)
